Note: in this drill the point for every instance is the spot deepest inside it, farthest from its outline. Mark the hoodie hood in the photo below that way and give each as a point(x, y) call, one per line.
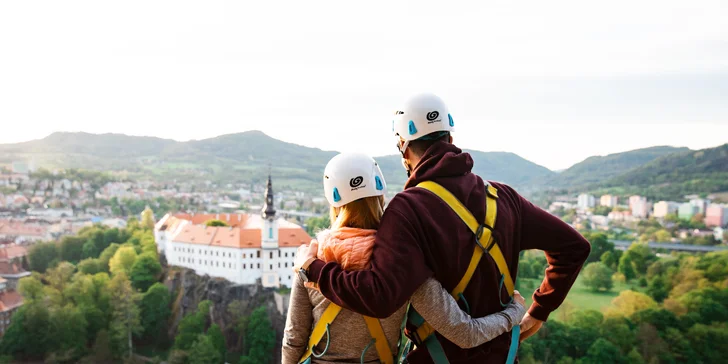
point(441, 160)
point(350, 247)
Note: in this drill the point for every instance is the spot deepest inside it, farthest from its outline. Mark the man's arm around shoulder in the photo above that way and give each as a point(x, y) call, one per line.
point(397, 268)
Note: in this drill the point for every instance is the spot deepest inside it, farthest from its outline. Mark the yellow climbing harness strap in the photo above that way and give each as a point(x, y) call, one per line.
point(322, 328)
point(380, 340)
point(483, 236)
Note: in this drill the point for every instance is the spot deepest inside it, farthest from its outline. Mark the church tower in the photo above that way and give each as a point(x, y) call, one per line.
point(269, 229)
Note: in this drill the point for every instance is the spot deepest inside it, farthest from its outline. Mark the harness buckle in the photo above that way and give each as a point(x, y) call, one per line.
point(479, 235)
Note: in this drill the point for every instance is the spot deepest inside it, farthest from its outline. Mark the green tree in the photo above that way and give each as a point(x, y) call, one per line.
point(597, 276)
point(602, 351)
point(629, 302)
point(108, 253)
point(89, 250)
point(626, 267)
point(68, 332)
point(91, 266)
point(599, 245)
point(102, 348)
point(123, 260)
point(27, 336)
point(217, 338)
point(155, 312)
point(147, 219)
point(259, 338)
point(71, 248)
point(145, 271)
point(192, 326)
point(214, 222)
point(658, 289)
point(203, 351)
point(610, 260)
point(43, 256)
point(602, 210)
point(316, 224)
point(125, 315)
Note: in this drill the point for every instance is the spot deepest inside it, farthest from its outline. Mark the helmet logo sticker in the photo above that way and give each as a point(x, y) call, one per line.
point(452, 123)
point(378, 182)
point(432, 115)
point(412, 128)
point(356, 181)
point(337, 197)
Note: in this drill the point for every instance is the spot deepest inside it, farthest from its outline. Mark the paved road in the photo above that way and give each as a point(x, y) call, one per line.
point(673, 246)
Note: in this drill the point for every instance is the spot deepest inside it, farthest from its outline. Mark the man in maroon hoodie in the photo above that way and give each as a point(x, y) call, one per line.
point(420, 237)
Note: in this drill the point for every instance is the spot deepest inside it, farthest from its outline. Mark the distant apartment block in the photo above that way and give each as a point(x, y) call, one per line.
point(701, 204)
point(586, 201)
point(608, 200)
point(639, 206)
point(664, 208)
point(716, 215)
point(687, 211)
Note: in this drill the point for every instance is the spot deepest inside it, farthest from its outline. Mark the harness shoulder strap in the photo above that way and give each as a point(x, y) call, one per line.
point(483, 234)
point(380, 340)
point(322, 328)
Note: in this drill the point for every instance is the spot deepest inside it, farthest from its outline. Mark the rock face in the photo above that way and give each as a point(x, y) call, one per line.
point(189, 289)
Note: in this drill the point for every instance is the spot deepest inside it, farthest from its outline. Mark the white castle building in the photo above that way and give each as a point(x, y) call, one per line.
point(252, 247)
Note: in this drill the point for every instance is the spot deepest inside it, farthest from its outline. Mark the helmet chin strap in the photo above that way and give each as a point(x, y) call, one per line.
point(406, 167)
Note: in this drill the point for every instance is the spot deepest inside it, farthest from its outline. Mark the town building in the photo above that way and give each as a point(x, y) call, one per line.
point(716, 215)
point(639, 206)
point(687, 211)
point(701, 204)
point(586, 201)
point(609, 201)
point(252, 247)
point(21, 232)
point(664, 208)
point(10, 301)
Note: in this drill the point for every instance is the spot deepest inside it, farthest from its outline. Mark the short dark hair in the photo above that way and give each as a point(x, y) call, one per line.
point(420, 146)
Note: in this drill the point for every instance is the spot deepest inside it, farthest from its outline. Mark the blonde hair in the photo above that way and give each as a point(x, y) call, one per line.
point(364, 213)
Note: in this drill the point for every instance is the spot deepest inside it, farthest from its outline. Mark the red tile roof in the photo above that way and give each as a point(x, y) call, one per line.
point(12, 251)
point(292, 237)
point(10, 268)
point(233, 220)
point(10, 300)
point(16, 228)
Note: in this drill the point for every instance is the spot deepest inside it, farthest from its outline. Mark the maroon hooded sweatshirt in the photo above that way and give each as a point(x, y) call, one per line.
point(420, 237)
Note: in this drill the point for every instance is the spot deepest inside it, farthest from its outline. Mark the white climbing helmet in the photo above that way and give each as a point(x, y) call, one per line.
point(419, 116)
point(351, 176)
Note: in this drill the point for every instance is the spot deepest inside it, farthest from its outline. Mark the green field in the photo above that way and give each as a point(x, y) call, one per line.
point(579, 298)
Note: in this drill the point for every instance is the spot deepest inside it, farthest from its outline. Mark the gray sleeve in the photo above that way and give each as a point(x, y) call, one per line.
point(441, 311)
point(298, 324)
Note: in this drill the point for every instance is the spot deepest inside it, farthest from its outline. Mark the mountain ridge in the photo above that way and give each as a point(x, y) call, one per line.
point(237, 157)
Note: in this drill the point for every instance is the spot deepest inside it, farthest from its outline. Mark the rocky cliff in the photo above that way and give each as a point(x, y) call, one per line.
point(188, 289)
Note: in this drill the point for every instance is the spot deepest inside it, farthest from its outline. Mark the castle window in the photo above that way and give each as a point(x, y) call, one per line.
point(270, 233)
point(244, 266)
point(286, 265)
point(258, 253)
point(258, 265)
point(279, 254)
point(271, 255)
point(286, 255)
point(243, 255)
point(279, 264)
point(271, 267)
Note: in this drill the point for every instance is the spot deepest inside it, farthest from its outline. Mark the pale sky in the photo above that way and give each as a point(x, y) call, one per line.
point(554, 82)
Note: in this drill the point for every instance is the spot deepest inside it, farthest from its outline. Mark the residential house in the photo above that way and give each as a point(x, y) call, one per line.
point(10, 301)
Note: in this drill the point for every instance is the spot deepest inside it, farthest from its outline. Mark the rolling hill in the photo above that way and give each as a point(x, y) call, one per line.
point(598, 169)
point(241, 157)
point(676, 174)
